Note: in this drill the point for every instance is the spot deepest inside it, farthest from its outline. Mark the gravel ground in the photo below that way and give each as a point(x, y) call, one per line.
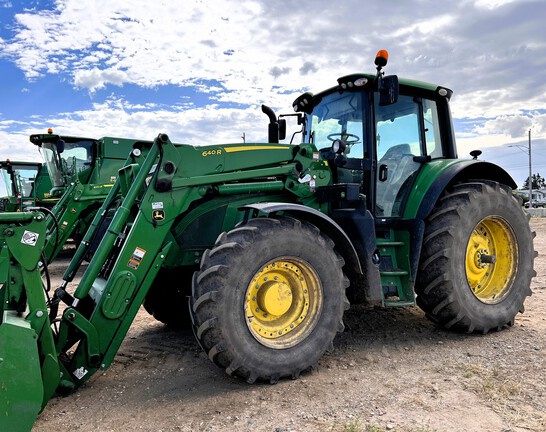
point(392, 369)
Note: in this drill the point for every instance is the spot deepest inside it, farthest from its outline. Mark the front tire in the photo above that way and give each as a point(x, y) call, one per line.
point(477, 259)
point(269, 299)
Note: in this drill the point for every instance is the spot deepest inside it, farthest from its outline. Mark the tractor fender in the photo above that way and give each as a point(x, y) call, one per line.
point(461, 172)
point(326, 224)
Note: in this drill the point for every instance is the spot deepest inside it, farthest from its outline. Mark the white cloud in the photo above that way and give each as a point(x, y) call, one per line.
point(117, 117)
point(492, 53)
point(16, 145)
point(513, 126)
point(95, 78)
point(174, 43)
point(428, 26)
point(492, 4)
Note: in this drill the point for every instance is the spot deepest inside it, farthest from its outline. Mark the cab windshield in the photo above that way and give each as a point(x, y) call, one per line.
point(338, 116)
point(20, 181)
point(26, 175)
point(64, 167)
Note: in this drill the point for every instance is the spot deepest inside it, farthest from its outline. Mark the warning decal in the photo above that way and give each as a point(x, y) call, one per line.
point(80, 372)
point(137, 256)
point(30, 238)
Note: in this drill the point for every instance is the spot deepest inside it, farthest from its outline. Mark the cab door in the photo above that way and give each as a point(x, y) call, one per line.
point(406, 136)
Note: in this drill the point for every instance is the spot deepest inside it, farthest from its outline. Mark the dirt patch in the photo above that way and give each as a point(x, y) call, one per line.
point(392, 369)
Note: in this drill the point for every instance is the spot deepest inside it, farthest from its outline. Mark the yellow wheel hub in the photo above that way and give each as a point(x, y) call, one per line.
point(283, 302)
point(275, 298)
point(491, 259)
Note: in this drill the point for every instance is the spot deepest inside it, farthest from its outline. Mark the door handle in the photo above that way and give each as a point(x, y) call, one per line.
point(383, 172)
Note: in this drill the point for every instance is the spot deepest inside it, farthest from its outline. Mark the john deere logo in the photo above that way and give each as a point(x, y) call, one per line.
point(158, 215)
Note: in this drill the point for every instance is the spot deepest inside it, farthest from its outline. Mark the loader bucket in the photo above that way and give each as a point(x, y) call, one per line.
point(21, 388)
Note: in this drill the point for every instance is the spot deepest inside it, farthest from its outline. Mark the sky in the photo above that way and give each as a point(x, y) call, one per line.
point(199, 70)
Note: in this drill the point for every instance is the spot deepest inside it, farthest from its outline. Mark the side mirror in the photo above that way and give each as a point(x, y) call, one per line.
point(388, 90)
point(282, 129)
point(60, 146)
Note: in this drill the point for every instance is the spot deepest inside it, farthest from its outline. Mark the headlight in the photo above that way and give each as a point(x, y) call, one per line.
point(339, 146)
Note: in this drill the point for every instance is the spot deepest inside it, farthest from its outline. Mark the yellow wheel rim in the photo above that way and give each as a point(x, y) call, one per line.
point(491, 260)
point(283, 302)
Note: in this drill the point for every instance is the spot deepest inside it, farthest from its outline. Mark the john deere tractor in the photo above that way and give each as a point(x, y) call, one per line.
point(24, 184)
point(28, 184)
point(269, 241)
point(68, 159)
point(83, 170)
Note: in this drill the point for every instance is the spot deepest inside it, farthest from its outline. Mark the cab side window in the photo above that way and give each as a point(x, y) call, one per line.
point(400, 129)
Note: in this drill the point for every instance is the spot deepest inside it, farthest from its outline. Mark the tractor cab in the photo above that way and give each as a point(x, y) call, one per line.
point(67, 158)
point(377, 132)
point(387, 142)
point(22, 184)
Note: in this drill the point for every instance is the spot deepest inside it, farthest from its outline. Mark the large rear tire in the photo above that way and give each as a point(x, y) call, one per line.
point(477, 259)
point(269, 299)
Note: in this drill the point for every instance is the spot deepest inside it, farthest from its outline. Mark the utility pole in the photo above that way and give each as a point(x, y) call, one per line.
point(530, 180)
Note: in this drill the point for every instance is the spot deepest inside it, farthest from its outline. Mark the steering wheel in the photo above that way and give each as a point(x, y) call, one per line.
point(332, 137)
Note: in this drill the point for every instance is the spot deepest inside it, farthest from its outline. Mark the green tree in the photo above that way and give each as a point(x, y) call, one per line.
point(538, 182)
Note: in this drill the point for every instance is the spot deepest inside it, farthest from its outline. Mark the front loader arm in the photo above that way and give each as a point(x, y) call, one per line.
point(29, 370)
point(33, 363)
point(110, 292)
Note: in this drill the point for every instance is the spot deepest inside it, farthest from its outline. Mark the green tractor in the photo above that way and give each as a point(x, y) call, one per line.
point(68, 159)
point(269, 241)
point(83, 171)
point(24, 184)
